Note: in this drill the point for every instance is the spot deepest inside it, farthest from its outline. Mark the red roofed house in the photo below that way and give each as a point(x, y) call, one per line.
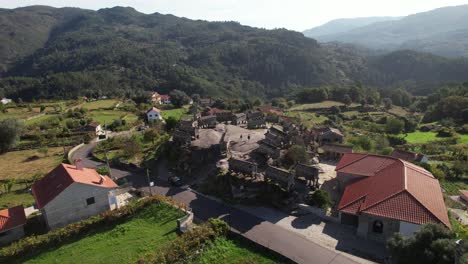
point(12, 221)
point(384, 195)
point(153, 114)
point(409, 156)
point(165, 99)
point(72, 193)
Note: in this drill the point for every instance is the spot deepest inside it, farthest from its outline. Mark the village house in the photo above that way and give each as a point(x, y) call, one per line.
point(242, 166)
point(239, 119)
point(335, 151)
point(206, 102)
point(207, 121)
point(5, 101)
point(94, 127)
point(327, 135)
point(165, 99)
point(309, 172)
point(71, 193)
point(384, 195)
point(154, 114)
point(268, 149)
point(12, 221)
point(255, 119)
point(409, 156)
point(280, 176)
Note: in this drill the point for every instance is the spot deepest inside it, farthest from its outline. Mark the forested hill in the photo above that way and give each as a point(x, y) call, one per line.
point(47, 52)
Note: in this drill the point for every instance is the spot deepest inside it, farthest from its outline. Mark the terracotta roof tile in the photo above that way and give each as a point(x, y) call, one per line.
point(394, 189)
point(11, 218)
point(49, 187)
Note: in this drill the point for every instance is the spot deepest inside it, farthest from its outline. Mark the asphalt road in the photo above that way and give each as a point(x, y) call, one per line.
point(267, 234)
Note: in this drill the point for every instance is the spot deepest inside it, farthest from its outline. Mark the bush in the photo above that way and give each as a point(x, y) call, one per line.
point(321, 199)
point(188, 244)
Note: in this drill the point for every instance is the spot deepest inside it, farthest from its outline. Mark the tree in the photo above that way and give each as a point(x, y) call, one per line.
point(297, 153)
point(171, 123)
point(10, 131)
point(387, 103)
point(394, 126)
point(42, 108)
point(179, 98)
point(433, 243)
point(196, 98)
point(321, 199)
point(131, 147)
point(347, 100)
point(150, 135)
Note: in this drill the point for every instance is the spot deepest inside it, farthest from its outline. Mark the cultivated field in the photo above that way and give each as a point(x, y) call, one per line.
point(24, 164)
point(176, 113)
point(100, 104)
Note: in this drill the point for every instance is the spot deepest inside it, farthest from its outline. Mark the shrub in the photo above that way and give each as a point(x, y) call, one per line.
point(188, 244)
point(321, 198)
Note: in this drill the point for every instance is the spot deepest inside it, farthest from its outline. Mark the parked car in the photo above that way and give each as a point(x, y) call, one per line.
point(176, 181)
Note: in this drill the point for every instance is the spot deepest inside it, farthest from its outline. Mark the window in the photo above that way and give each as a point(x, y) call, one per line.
point(377, 227)
point(90, 201)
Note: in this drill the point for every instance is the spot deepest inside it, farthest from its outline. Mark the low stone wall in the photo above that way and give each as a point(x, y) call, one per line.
point(71, 151)
point(185, 223)
point(320, 212)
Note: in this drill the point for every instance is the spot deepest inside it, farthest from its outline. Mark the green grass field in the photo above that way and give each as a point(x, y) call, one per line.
point(307, 118)
point(421, 137)
point(324, 104)
point(463, 139)
point(107, 116)
point(100, 104)
point(224, 250)
point(147, 231)
point(176, 113)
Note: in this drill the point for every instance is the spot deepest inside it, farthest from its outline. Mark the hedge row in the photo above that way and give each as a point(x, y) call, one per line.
point(34, 244)
point(188, 244)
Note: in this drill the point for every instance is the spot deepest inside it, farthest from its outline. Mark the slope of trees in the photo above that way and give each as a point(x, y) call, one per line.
point(118, 51)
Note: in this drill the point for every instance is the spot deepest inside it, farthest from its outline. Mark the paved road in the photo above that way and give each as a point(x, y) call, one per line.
point(287, 243)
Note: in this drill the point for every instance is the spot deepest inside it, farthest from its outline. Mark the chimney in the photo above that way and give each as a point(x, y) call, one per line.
point(79, 164)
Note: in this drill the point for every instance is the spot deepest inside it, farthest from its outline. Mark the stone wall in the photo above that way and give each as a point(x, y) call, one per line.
point(310, 172)
point(366, 227)
point(280, 176)
point(242, 166)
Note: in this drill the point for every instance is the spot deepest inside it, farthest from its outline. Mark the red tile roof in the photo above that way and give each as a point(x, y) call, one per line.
point(394, 189)
point(11, 218)
point(165, 97)
point(407, 155)
point(155, 109)
point(49, 187)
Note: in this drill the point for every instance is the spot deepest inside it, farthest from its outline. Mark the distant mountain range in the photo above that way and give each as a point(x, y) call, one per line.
point(50, 52)
point(343, 25)
point(443, 31)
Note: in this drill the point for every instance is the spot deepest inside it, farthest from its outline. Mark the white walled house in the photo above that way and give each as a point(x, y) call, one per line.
point(384, 195)
point(72, 193)
point(12, 221)
point(153, 114)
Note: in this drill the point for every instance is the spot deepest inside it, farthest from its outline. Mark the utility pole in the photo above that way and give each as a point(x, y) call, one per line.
point(149, 183)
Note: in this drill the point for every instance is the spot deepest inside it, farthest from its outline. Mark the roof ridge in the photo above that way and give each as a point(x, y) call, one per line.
point(427, 209)
point(384, 199)
point(350, 203)
point(354, 161)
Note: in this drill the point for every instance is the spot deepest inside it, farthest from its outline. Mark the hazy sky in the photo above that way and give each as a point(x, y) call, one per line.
point(291, 14)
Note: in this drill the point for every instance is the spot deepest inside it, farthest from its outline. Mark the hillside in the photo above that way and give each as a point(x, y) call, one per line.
point(343, 25)
point(119, 51)
point(442, 31)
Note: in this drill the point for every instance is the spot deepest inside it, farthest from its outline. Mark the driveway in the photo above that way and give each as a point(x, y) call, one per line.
point(275, 237)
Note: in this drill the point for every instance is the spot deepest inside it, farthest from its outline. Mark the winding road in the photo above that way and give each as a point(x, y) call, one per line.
point(285, 242)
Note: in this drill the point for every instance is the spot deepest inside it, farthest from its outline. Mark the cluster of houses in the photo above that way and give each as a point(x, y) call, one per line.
point(379, 195)
point(160, 99)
